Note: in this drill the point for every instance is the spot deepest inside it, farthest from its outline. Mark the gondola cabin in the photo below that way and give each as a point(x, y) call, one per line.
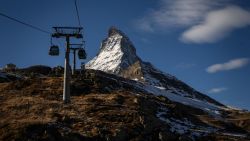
point(54, 50)
point(82, 54)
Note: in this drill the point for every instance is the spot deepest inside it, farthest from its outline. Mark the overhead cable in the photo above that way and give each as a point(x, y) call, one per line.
point(24, 23)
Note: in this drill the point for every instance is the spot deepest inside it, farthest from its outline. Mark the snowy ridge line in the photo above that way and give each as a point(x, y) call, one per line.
point(146, 65)
point(210, 108)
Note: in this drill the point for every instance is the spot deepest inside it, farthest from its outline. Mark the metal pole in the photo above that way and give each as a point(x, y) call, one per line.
point(66, 84)
point(74, 62)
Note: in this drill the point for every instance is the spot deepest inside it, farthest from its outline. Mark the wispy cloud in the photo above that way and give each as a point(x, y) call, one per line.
point(177, 13)
point(217, 90)
point(230, 65)
point(217, 25)
point(144, 25)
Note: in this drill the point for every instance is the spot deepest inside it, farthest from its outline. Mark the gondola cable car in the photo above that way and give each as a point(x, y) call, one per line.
point(82, 54)
point(54, 49)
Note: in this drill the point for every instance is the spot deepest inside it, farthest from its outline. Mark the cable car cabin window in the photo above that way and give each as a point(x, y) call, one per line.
point(54, 51)
point(82, 54)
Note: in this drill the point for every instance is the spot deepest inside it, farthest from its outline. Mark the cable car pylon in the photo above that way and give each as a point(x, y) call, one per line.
point(81, 54)
point(67, 33)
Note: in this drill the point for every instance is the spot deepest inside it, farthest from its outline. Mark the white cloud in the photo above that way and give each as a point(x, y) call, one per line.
point(230, 65)
point(177, 13)
point(217, 25)
point(217, 90)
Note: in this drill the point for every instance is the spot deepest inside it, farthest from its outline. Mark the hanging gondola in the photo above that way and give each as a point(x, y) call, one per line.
point(54, 50)
point(82, 54)
point(79, 36)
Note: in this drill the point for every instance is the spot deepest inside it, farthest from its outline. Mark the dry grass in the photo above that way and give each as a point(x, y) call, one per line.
point(33, 109)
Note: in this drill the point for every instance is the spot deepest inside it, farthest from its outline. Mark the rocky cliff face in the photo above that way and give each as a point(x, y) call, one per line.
point(118, 56)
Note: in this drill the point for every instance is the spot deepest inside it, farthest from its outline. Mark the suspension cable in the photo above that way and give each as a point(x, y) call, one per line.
point(24, 23)
point(77, 12)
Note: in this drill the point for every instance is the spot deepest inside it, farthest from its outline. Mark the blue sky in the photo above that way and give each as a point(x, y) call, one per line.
point(203, 43)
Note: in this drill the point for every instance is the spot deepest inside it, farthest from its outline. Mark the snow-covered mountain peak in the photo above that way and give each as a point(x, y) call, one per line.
point(116, 53)
point(114, 31)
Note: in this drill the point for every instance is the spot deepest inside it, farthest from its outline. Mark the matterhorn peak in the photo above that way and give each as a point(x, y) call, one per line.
point(116, 53)
point(114, 31)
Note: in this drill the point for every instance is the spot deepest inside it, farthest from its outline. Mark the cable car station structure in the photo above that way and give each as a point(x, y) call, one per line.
point(68, 33)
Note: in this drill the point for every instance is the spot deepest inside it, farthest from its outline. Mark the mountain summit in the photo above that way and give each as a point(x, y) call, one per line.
point(118, 56)
point(117, 53)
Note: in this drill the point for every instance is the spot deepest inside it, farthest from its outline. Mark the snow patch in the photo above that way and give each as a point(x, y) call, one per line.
point(183, 126)
point(235, 135)
point(136, 79)
point(161, 88)
point(210, 108)
point(161, 112)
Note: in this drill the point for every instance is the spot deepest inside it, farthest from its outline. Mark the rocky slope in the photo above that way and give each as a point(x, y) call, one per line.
point(107, 107)
point(8, 77)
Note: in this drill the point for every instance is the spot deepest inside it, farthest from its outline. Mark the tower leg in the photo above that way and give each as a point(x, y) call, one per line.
point(66, 83)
